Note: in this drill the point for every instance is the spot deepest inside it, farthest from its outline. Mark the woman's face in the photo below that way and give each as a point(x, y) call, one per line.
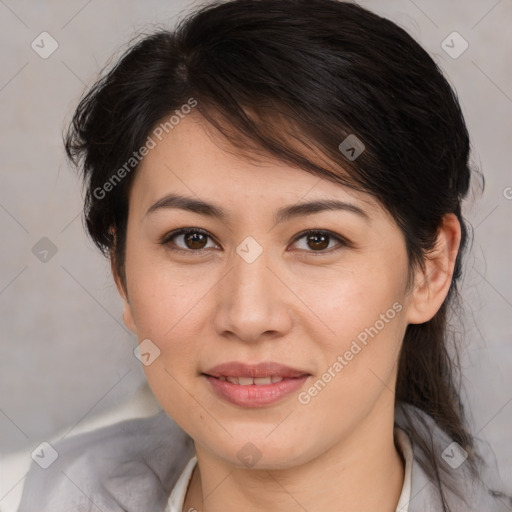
point(256, 290)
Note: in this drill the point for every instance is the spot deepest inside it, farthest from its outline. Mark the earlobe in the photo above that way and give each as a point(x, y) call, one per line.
point(128, 317)
point(127, 309)
point(121, 288)
point(432, 283)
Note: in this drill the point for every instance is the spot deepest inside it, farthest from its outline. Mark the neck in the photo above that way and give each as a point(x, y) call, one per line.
point(363, 472)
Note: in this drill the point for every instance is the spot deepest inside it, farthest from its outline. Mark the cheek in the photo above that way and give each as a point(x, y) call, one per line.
point(363, 353)
point(363, 320)
point(352, 300)
point(358, 365)
point(163, 311)
point(168, 311)
point(168, 307)
point(162, 293)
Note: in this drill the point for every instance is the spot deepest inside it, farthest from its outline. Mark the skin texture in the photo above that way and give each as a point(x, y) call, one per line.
point(295, 304)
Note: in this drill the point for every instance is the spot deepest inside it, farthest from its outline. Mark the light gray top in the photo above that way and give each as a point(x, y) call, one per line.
point(134, 465)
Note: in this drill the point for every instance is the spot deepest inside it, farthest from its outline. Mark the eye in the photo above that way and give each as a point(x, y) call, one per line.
point(319, 240)
point(195, 240)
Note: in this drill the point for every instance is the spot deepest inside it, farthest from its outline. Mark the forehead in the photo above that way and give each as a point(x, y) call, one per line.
point(194, 160)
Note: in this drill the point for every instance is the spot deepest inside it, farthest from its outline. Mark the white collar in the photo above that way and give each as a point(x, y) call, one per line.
point(177, 496)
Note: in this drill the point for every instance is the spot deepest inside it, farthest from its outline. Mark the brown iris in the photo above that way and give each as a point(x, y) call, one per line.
point(194, 240)
point(319, 241)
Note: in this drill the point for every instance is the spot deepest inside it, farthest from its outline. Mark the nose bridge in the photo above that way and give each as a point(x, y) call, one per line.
point(250, 275)
point(248, 302)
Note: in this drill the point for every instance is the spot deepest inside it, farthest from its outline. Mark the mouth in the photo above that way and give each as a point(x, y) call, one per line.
point(254, 385)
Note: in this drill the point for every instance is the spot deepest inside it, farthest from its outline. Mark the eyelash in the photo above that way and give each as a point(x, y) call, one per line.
point(184, 231)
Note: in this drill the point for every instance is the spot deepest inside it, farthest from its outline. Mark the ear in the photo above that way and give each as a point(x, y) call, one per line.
point(121, 288)
point(432, 283)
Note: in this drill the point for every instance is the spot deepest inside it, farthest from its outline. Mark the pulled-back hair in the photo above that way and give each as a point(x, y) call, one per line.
point(292, 79)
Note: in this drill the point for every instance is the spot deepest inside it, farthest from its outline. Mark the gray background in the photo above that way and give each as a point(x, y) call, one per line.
point(66, 355)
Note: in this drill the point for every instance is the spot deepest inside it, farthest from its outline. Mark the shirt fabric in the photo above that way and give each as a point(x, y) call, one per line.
point(145, 465)
point(177, 497)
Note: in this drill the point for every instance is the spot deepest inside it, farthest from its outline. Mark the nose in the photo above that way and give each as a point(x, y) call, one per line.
point(252, 302)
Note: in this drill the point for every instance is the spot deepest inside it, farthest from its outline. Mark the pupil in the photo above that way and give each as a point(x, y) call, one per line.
point(191, 239)
point(323, 244)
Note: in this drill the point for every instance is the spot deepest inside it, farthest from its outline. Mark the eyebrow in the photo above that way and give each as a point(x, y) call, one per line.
point(282, 215)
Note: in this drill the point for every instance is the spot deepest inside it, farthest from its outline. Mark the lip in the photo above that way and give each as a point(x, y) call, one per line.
point(263, 369)
point(255, 395)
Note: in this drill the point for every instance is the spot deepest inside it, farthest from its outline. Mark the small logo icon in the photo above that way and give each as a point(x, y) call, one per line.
point(44, 250)
point(249, 454)
point(249, 250)
point(454, 455)
point(44, 45)
point(146, 352)
point(45, 455)
point(352, 147)
point(454, 45)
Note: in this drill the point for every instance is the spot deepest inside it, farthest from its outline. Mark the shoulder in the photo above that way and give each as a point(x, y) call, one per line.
point(460, 491)
point(128, 466)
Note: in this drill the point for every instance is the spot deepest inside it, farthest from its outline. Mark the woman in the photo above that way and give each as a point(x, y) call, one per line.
point(278, 185)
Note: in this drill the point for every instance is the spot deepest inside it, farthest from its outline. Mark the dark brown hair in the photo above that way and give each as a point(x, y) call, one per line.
point(292, 79)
